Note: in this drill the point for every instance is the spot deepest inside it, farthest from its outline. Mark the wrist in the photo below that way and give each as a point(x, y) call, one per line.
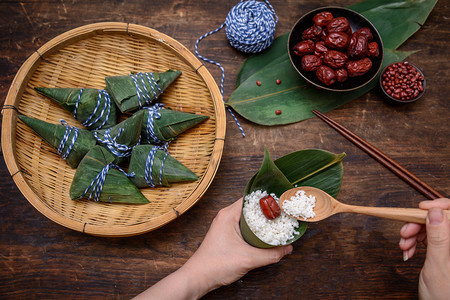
point(198, 281)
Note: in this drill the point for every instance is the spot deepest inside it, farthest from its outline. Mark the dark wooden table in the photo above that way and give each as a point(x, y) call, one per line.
point(347, 256)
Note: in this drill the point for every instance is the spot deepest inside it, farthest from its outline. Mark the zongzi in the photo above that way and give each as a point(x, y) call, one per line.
point(153, 165)
point(121, 138)
point(98, 178)
point(164, 125)
point(134, 91)
point(70, 142)
point(92, 107)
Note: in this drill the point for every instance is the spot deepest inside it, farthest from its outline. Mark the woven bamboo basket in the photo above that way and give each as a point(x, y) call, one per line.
point(83, 57)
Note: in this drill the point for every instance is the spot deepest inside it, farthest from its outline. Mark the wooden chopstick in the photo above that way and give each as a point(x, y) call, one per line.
point(382, 158)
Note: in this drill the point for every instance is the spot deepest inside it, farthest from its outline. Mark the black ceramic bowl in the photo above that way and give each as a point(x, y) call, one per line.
point(412, 84)
point(357, 21)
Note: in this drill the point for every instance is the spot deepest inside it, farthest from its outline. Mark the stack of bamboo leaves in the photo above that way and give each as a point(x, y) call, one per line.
point(140, 142)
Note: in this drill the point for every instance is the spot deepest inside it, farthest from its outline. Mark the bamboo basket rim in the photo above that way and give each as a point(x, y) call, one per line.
point(19, 84)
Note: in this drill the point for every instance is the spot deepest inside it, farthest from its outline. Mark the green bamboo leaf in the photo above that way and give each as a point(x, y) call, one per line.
point(313, 167)
point(54, 133)
point(395, 21)
point(90, 105)
point(127, 97)
point(272, 180)
point(164, 170)
point(116, 188)
point(310, 167)
point(276, 52)
point(167, 125)
point(294, 97)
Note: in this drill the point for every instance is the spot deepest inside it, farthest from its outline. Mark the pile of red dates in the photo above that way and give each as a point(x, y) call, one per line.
point(333, 51)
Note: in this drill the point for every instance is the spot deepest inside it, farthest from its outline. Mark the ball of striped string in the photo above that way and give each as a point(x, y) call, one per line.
point(250, 26)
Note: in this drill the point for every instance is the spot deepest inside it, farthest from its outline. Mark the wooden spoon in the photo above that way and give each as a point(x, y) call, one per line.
point(327, 206)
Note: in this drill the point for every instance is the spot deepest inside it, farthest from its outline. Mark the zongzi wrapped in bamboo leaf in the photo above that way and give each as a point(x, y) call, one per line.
point(134, 91)
point(92, 107)
point(121, 138)
point(153, 165)
point(98, 178)
point(70, 142)
point(164, 125)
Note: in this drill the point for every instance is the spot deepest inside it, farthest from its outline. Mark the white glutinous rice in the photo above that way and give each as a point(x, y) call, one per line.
point(274, 232)
point(300, 205)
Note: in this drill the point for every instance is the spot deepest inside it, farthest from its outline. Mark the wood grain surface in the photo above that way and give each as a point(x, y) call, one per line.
point(344, 257)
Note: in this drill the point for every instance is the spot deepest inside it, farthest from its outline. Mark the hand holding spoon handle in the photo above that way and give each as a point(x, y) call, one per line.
point(414, 215)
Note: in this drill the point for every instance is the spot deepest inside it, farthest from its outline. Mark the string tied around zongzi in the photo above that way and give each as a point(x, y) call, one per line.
point(119, 150)
point(107, 107)
point(153, 112)
point(149, 164)
point(65, 139)
point(99, 180)
point(144, 96)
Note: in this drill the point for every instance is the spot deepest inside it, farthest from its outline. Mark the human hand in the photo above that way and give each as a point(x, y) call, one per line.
point(434, 281)
point(224, 256)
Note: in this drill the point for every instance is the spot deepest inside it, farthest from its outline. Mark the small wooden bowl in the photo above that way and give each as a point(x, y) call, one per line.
point(83, 57)
point(357, 21)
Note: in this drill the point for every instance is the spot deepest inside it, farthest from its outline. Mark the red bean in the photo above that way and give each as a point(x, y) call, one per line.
point(402, 81)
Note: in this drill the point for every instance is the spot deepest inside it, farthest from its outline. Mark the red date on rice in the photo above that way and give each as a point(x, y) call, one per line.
point(269, 207)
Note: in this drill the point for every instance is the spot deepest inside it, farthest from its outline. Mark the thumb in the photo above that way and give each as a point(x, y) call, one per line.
point(438, 235)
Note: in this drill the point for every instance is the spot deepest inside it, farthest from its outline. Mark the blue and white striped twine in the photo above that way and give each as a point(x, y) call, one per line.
point(65, 138)
point(144, 96)
point(153, 112)
point(99, 181)
point(250, 29)
point(149, 164)
point(119, 150)
point(88, 122)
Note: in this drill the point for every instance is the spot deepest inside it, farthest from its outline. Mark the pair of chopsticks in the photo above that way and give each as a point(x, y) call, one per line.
point(382, 158)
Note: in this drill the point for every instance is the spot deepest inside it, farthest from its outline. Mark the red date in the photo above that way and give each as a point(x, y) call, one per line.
point(335, 59)
point(365, 31)
point(311, 62)
point(320, 49)
point(341, 74)
point(337, 40)
point(372, 49)
point(269, 207)
point(304, 47)
point(340, 24)
point(322, 18)
point(330, 49)
point(358, 67)
point(357, 47)
point(326, 75)
point(312, 33)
